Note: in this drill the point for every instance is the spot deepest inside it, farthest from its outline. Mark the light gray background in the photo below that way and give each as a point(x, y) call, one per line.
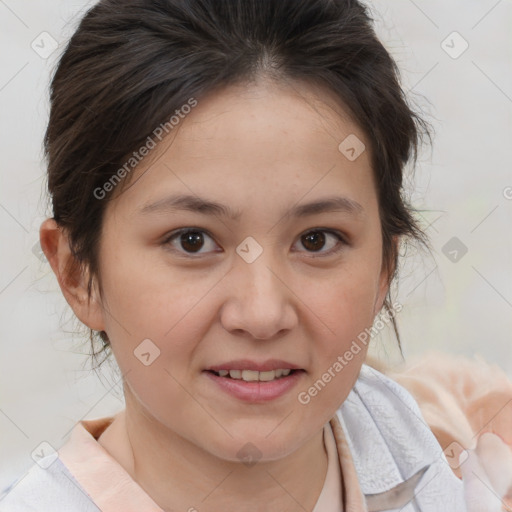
point(464, 186)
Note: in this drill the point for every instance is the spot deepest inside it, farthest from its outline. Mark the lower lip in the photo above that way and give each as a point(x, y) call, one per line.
point(257, 391)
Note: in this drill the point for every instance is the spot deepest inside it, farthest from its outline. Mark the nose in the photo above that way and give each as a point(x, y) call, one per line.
point(260, 303)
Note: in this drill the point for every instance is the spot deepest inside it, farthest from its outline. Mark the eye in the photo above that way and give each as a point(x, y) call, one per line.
point(189, 240)
point(192, 240)
point(316, 239)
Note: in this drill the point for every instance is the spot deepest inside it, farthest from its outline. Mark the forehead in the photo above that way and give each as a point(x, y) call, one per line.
point(279, 137)
point(265, 108)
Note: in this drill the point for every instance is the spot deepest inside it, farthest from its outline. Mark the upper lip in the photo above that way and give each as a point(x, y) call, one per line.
point(247, 364)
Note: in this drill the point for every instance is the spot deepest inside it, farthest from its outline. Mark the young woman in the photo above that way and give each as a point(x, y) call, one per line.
point(226, 179)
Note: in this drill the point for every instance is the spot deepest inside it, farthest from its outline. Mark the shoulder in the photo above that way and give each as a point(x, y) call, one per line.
point(47, 486)
point(390, 440)
point(381, 414)
point(386, 401)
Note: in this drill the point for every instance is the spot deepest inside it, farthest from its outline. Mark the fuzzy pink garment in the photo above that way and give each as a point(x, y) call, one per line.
point(469, 402)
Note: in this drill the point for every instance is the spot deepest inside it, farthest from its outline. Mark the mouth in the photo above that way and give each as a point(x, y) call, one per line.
point(255, 376)
point(255, 382)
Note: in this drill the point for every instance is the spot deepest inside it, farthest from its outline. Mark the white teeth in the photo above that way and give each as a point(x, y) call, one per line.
point(253, 376)
point(235, 374)
point(266, 376)
point(250, 375)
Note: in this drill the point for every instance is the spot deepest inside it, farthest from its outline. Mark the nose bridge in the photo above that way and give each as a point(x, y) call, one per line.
point(259, 301)
point(254, 266)
point(260, 281)
point(257, 270)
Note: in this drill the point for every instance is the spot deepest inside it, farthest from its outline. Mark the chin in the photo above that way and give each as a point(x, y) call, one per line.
point(250, 446)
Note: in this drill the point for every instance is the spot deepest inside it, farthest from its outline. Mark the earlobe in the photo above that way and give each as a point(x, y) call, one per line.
point(386, 274)
point(382, 292)
point(71, 277)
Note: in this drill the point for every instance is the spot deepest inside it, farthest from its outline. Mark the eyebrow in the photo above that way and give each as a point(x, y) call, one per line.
point(204, 206)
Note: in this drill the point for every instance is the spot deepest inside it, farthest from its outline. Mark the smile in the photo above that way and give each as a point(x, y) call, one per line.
point(255, 386)
point(252, 376)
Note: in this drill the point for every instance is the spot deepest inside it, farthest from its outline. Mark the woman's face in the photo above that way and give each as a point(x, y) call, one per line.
point(280, 284)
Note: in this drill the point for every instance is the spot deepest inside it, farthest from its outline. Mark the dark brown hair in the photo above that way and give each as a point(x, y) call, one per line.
point(132, 63)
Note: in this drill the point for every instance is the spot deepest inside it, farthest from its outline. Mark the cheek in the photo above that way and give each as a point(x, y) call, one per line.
point(153, 324)
point(345, 301)
point(345, 305)
point(142, 314)
point(147, 297)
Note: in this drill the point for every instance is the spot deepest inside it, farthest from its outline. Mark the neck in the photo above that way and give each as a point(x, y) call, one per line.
point(179, 475)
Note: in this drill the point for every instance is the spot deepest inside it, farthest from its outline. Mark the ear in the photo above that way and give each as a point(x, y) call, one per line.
point(72, 280)
point(386, 272)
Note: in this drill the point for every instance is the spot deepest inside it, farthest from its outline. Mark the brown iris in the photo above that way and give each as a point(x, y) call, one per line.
point(314, 240)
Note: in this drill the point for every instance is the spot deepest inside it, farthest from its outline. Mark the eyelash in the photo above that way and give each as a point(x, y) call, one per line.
point(341, 240)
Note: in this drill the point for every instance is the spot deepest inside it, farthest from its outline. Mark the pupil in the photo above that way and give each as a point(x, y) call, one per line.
point(314, 237)
point(193, 239)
